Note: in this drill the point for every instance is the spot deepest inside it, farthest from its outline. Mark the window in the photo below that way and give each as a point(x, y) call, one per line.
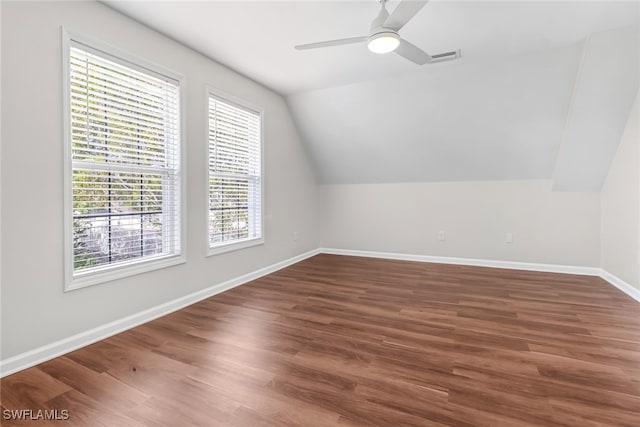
point(124, 181)
point(235, 174)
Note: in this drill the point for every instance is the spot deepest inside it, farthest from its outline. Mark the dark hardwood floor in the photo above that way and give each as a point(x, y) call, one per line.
point(362, 342)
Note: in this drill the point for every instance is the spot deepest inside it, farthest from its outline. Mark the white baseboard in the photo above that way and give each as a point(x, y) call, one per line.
point(58, 348)
point(550, 268)
point(632, 291)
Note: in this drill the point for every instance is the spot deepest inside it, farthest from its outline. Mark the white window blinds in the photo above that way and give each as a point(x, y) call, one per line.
point(125, 147)
point(235, 174)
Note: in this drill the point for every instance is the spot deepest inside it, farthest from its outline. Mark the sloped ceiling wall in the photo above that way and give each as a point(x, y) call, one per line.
point(556, 113)
point(493, 118)
point(605, 88)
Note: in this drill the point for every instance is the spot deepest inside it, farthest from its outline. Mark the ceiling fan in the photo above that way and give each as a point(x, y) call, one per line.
point(384, 38)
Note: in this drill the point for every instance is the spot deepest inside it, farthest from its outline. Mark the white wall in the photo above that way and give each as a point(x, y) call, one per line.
point(548, 227)
point(35, 311)
point(621, 206)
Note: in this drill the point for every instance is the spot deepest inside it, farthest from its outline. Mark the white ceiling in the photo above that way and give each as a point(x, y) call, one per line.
point(543, 89)
point(257, 38)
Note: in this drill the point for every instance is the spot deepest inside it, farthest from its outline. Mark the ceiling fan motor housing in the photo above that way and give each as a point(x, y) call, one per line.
point(381, 39)
point(378, 22)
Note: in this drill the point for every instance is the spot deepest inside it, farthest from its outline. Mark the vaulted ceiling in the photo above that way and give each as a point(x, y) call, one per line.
point(543, 89)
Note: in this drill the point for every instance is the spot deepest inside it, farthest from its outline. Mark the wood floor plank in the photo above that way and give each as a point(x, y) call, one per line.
point(30, 389)
point(348, 341)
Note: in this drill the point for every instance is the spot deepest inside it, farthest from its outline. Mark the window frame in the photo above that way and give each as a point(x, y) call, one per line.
point(108, 273)
point(250, 242)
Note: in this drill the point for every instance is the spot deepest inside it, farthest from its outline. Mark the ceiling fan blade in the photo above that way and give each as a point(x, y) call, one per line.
point(403, 13)
point(412, 53)
point(329, 43)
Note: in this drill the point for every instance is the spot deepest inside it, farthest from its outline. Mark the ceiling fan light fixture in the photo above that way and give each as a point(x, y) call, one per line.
point(384, 42)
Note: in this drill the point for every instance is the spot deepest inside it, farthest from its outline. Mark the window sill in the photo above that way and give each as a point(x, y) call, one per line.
point(234, 246)
point(120, 272)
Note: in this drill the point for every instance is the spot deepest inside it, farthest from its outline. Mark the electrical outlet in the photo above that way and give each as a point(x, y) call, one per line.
point(442, 236)
point(295, 236)
point(508, 238)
